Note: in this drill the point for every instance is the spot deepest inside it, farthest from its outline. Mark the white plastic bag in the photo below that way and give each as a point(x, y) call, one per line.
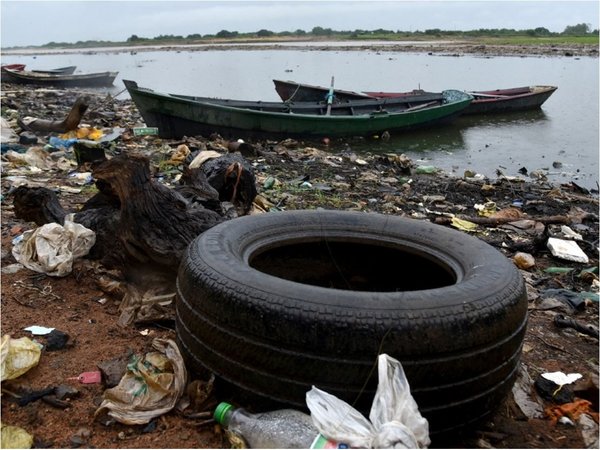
point(51, 248)
point(395, 420)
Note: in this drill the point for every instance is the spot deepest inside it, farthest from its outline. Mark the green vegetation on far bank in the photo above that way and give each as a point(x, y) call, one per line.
point(579, 34)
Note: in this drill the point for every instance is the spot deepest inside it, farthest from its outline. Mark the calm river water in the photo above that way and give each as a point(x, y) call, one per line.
point(561, 139)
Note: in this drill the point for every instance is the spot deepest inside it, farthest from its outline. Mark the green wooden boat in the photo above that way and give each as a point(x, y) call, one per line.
point(176, 116)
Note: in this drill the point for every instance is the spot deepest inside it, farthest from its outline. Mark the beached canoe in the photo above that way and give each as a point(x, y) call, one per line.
point(68, 70)
point(484, 102)
point(176, 116)
point(300, 92)
point(59, 80)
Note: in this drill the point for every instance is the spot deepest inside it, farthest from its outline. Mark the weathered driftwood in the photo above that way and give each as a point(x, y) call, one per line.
point(71, 122)
point(156, 222)
point(143, 227)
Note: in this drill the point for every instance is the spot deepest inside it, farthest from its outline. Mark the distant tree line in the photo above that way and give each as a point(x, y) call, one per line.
point(581, 29)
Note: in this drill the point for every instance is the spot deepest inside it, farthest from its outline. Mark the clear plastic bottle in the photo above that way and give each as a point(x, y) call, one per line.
point(284, 428)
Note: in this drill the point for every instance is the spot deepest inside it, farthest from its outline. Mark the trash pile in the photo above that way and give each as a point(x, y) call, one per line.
point(82, 259)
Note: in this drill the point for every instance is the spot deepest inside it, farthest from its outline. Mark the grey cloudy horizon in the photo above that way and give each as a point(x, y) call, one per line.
point(26, 22)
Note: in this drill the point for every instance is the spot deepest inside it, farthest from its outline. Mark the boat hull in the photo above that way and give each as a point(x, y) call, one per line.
point(484, 102)
point(517, 99)
point(177, 116)
point(100, 79)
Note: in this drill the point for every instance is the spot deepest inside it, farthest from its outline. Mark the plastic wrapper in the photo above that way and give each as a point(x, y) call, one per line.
point(17, 356)
point(15, 437)
point(394, 419)
point(151, 386)
point(52, 248)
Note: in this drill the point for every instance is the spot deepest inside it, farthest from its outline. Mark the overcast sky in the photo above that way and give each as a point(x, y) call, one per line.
point(26, 22)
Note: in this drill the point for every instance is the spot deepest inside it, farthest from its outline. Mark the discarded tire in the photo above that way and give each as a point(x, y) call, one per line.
point(278, 302)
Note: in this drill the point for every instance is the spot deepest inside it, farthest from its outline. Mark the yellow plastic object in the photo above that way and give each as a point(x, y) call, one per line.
point(18, 356)
point(15, 437)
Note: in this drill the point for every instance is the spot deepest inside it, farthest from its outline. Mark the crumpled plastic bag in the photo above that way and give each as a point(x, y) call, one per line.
point(395, 420)
point(151, 386)
point(7, 135)
point(15, 437)
point(17, 356)
point(52, 248)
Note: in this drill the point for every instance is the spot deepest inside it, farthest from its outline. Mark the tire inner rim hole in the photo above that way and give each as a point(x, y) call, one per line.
point(354, 266)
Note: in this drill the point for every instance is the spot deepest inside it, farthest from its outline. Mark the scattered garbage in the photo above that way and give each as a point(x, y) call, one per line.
point(567, 322)
point(561, 378)
point(88, 377)
point(284, 428)
point(524, 260)
point(553, 386)
point(568, 250)
point(145, 131)
point(56, 340)
point(575, 301)
point(151, 386)
point(52, 248)
point(589, 430)
point(572, 410)
point(524, 397)
point(17, 356)
point(15, 437)
point(36, 330)
point(395, 419)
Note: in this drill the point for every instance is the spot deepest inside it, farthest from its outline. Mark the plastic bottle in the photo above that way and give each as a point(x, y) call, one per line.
point(284, 428)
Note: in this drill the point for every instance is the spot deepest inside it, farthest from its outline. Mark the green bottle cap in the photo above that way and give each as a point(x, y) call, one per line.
point(221, 410)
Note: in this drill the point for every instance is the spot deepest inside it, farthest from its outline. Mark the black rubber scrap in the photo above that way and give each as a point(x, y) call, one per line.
point(562, 321)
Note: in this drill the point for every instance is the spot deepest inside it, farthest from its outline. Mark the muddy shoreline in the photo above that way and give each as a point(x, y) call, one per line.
point(445, 48)
point(290, 175)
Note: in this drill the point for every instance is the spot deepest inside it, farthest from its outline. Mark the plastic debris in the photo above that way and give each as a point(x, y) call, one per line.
point(52, 248)
point(561, 378)
point(8, 136)
point(568, 250)
point(463, 225)
point(17, 356)
point(88, 377)
point(282, 428)
point(567, 322)
point(572, 410)
point(522, 394)
point(395, 420)
point(36, 330)
point(145, 131)
point(426, 169)
point(15, 437)
point(57, 142)
point(589, 431)
point(568, 233)
point(151, 386)
point(485, 209)
point(524, 260)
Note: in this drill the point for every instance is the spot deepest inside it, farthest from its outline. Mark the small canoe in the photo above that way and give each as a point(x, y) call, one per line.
point(69, 70)
point(299, 92)
point(497, 100)
point(176, 116)
point(484, 102)
point(16, 67)
point(59, 80)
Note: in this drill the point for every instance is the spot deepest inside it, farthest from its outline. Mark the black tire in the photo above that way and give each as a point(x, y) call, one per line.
point(254, 307)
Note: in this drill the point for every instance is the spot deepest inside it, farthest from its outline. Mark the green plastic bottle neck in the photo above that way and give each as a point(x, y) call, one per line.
point(221, 412)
